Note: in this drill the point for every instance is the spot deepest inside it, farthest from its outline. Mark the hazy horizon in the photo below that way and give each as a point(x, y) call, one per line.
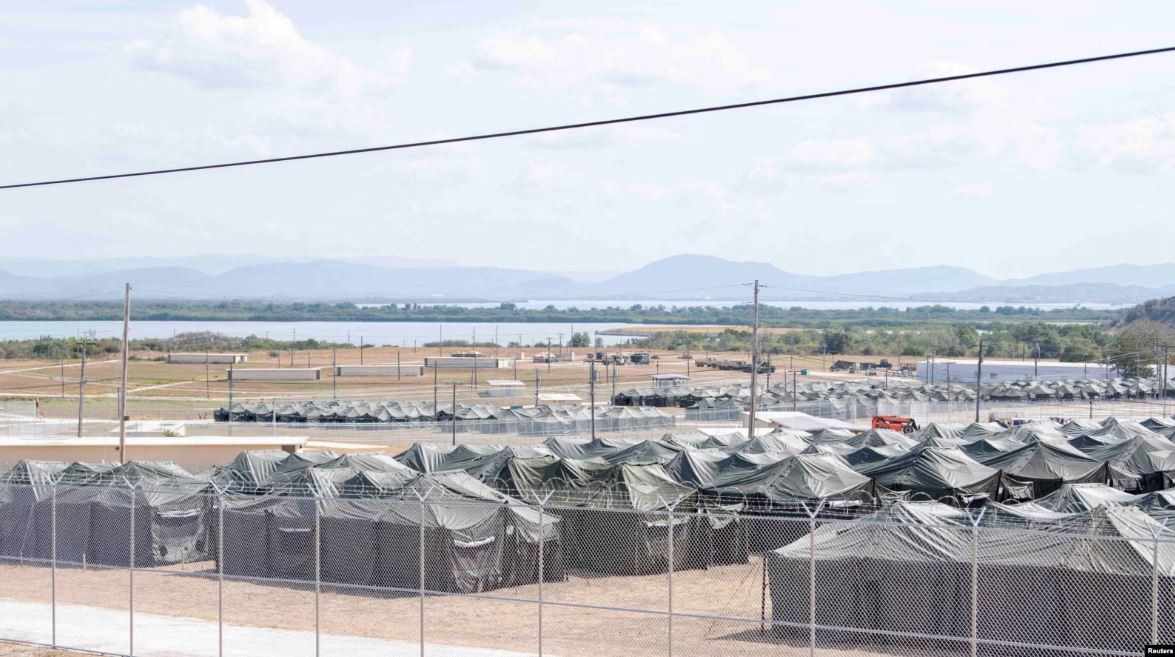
point(1009, 177)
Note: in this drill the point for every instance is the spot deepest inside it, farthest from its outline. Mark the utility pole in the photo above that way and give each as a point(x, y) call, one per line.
point(536, 387)
point(1036, 361)
point(230, 396)
point(435, 408)
point(978, 378)
point(549, 353)
point(126, 327)
point(334, 372)
point(454, 413)
point(592, 397)
point(754, 360)
point(793, 389)
point(82, 388)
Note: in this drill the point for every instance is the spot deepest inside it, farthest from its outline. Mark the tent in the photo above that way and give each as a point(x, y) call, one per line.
point(909, 570)
point(1138, 464)
point(371, 525)
point(935, 473)
point(1039, 468)
point(21, 489)
point(634, 540)
point(100, 508)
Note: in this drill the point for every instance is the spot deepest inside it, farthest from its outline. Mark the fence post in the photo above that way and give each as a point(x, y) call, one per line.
point(975, 586)
point(542, 565)
point(53, 557)
point(317, 580)
point(131, 572)
point(669, 534)
point(420, 562)
point(811, 584)
point(1155, 588)
point(220, 575)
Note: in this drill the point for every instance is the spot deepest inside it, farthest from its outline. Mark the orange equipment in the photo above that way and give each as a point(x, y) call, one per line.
point(895, 423)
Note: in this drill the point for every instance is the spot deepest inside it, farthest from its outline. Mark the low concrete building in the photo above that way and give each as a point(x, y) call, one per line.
point(503, 388)
point(276, 374)
point(559, 398)
point(211, 359)
point(669, 380)
point(963, 370)
point(466, 362)
point(404, 369)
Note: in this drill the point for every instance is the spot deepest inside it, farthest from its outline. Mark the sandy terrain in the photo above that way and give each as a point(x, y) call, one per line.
point(507, 621)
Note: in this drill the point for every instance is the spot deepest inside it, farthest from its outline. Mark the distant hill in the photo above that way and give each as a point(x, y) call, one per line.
point(682, 277)
point(1074, 293)
point(694, 277)
point(917, 280)
point(1152, 276)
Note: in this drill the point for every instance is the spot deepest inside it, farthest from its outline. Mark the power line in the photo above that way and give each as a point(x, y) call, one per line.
point(605, 122)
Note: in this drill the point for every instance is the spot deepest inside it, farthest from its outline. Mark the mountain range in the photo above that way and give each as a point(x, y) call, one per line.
point(682, 277)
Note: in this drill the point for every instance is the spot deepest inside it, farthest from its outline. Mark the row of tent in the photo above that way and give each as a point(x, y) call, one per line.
point(605, 502)
point(544, 416)
point(914, 567)
point(873, 393)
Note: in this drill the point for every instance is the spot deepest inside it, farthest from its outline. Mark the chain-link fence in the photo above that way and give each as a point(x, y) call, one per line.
point(181, 571)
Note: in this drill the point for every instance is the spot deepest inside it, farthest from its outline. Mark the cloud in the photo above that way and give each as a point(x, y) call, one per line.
point(603, 136)
point(765, 176)
point(548, 175)
point(1145, 145)
point(432, 171)
point(612, 58)
point(263, 47)
point(950, 97)
point(825, 155)
point(981, 190)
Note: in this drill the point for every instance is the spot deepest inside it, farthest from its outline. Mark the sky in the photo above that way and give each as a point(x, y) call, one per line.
point(1012, 176)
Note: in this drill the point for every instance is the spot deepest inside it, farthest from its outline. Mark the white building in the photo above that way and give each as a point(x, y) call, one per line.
point(963, 370)
point(669, 380)
point(405, 369)
point(213, 359)
point(276, 374)
point(503, 388)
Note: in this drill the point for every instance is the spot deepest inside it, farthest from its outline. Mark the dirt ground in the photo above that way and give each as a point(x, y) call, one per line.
point(508, 619)
point(22, 650)
point(190, 392)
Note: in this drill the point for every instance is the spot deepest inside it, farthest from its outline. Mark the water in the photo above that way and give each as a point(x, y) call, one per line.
point(901, 304)
point(372, 333)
